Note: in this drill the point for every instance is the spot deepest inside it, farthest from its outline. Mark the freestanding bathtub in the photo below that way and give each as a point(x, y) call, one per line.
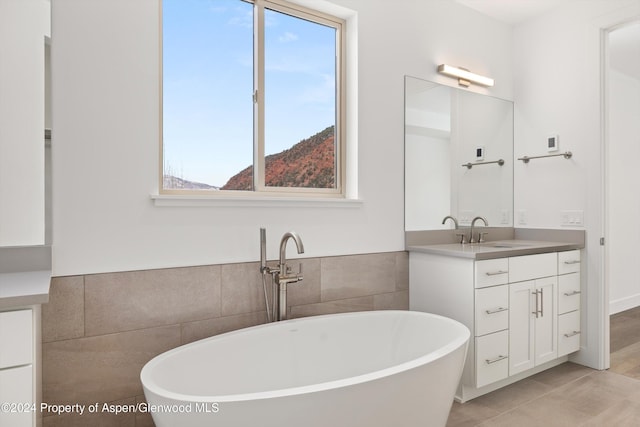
point(376, 368)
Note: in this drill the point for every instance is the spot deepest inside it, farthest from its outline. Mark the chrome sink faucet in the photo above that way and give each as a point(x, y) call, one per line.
point(283, 275)
point(455, 221)
point(480, 234)
point(455, 225)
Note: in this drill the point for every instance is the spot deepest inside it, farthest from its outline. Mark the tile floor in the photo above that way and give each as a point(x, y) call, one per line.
point(568, 395)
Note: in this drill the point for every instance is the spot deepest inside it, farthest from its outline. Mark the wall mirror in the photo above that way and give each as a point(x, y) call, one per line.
point(458, 156)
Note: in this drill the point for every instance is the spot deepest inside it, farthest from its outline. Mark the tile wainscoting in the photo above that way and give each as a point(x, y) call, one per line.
point(99, 330)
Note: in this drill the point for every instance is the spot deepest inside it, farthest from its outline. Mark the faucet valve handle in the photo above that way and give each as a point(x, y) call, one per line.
point(462, 238)
point(481, 235)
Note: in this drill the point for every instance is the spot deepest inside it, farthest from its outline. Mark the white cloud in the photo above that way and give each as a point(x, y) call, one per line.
point(320, 94)
point(244, 19)
point(287, 37)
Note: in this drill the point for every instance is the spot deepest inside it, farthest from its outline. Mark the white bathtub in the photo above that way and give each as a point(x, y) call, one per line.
point(378, 368)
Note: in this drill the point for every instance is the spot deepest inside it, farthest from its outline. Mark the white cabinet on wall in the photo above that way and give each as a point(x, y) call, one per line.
point(17, 391)
point(523, 311)
point(24, 26)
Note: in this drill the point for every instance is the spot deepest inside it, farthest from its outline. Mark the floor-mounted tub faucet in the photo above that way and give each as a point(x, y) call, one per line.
point(284, 276)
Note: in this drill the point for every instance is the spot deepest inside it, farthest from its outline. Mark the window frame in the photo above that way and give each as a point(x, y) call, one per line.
point(259, 187)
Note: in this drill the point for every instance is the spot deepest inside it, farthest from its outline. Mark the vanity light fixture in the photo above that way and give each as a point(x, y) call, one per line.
point(465, 77)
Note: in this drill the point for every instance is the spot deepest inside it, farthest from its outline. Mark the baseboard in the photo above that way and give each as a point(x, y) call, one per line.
point(623, 304)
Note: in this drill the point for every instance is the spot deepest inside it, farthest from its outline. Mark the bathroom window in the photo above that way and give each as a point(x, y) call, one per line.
point(252, 98)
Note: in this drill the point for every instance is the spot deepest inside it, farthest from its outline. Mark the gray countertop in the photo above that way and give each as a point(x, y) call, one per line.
point(25, 275)
point(495, 249)
point(24, 288)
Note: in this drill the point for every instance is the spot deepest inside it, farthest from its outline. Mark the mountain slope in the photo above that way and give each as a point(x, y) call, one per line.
point(308, 164)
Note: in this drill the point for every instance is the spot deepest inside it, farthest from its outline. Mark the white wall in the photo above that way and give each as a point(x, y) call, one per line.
point(623, 209)
point(557, 79)
point(106, 120)
point(23, 26)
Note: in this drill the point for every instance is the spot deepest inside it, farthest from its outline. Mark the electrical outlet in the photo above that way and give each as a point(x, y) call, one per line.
point(572, 218)
point(465, 217)
point(522, 217)
point(504, 216)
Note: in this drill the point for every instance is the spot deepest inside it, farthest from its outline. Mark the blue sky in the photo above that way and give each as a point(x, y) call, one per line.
point(208, 85)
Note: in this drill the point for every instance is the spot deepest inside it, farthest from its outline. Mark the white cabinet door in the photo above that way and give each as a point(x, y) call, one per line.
point(532, 324)
point(521, 326)
point(16, 338)
point(546, 331)
point(16, 391)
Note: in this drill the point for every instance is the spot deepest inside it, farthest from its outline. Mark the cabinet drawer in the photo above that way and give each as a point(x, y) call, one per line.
point(492, 309)
point(569, 262)
point(491, 272)
point(530, 267)
point(568, 333)
point(16, 331)
point(568, 293)
point(492, 358)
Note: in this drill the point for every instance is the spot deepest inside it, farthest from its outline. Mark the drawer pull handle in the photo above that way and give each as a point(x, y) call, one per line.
point(495, 273)
point(574, 333)
point(497, 359)
point(572, 293)
point(496, 310)
point(575, 261)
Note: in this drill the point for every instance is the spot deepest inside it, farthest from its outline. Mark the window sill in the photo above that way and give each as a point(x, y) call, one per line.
point(253, 201)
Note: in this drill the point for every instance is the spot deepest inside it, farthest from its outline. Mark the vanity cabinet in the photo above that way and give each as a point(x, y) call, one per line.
point(16, 368)
point(523, 311)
